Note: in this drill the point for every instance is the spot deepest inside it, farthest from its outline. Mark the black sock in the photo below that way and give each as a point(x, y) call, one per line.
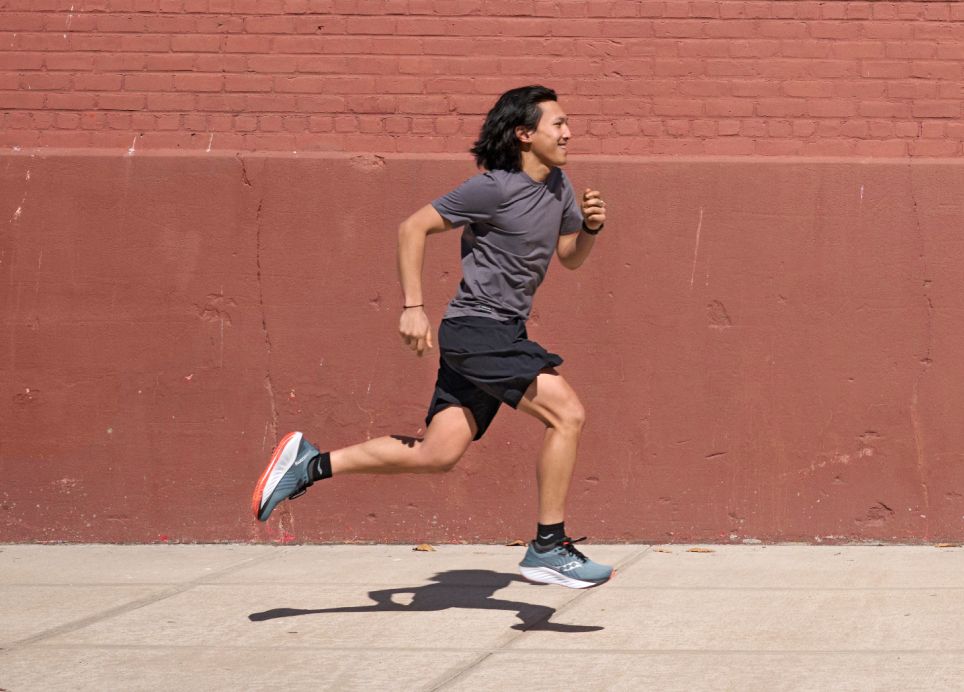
point(319, 468)
point(549, 534)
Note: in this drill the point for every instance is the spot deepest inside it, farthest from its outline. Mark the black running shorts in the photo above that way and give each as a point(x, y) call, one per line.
point(484, 363)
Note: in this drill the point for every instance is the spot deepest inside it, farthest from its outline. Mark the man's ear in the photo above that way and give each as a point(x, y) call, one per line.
point(523, 135)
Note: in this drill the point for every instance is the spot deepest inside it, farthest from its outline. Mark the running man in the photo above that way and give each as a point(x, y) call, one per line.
point(515, 213)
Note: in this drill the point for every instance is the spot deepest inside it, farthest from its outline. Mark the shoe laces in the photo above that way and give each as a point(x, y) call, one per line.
point(567, 545)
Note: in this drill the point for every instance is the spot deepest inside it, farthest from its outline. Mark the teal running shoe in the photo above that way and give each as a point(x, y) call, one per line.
point(563, 564)
point(286, 476)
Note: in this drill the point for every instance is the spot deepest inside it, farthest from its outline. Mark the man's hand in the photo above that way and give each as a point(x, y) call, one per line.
point(415, 329)
point(593, 209)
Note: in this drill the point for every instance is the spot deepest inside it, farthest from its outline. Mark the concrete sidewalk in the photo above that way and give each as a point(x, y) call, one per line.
point(239, 617)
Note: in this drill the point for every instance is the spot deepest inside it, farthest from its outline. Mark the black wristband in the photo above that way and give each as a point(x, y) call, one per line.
point(590, 231)
point(407, 307)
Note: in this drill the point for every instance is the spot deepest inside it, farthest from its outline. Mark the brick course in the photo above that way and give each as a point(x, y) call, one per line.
point(657, 77)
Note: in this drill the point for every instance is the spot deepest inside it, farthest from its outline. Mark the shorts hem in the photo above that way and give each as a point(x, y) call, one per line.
point(513, 397)
point(480, 430)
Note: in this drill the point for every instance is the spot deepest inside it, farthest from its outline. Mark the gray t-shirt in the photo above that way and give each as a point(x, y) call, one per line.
point(512, 224)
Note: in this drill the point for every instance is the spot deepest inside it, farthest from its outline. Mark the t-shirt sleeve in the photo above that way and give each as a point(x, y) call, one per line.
point(477, 199)
point(571, 213)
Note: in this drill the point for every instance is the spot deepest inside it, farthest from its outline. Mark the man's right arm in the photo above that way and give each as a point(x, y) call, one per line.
point(414, 326)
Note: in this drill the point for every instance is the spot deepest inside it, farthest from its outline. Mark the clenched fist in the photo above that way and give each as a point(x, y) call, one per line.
point(415, 329)
point(593, 209)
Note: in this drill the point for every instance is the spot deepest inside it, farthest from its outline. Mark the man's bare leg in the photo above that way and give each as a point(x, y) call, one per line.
point(296, 463)
point(553, 401)
point(446, 439)
point(553, 558)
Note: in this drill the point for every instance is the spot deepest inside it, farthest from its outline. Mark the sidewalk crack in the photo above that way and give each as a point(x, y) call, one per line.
point(136, 604)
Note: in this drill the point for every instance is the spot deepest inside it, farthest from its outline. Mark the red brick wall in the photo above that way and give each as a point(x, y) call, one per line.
point(668, 77)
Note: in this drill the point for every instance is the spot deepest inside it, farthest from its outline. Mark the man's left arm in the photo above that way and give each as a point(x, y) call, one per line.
point(574, 248)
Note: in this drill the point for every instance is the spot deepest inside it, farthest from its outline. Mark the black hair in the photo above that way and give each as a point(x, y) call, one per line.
point(497, 146)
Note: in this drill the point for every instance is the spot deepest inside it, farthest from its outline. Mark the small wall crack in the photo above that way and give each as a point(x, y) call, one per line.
point(925, 359)
point(268, 383)
point(244, 172)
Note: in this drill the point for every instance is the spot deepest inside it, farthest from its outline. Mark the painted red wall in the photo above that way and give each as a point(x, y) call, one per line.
point(198, 201)
point(767, 348)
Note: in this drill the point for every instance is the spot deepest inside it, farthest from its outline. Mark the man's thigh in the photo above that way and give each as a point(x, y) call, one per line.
point(451, 431)
point(550, 398)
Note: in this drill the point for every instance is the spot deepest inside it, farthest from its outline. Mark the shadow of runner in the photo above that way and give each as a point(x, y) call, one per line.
point(467, 588)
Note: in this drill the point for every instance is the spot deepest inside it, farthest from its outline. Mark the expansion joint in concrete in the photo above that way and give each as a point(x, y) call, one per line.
point(136, 604)
point(452, 676)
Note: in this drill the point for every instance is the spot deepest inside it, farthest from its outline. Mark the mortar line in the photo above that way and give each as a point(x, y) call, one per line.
point(450, 677)
point(136, 604)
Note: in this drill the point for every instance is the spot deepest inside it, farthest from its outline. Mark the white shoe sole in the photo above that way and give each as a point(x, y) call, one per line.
point(283, 459)
point(544, 575)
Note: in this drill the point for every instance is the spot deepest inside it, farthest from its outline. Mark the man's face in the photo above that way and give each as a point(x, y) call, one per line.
point(548, 141)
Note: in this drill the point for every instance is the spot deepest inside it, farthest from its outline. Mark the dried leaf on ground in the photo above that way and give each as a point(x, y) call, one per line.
point(662, 550)
point(701, 550)
point(517, 542)
point(948, 545)
point(424, 548)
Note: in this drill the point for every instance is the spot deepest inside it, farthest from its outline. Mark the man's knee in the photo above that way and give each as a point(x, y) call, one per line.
point(569, 416)
point(575, 415)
